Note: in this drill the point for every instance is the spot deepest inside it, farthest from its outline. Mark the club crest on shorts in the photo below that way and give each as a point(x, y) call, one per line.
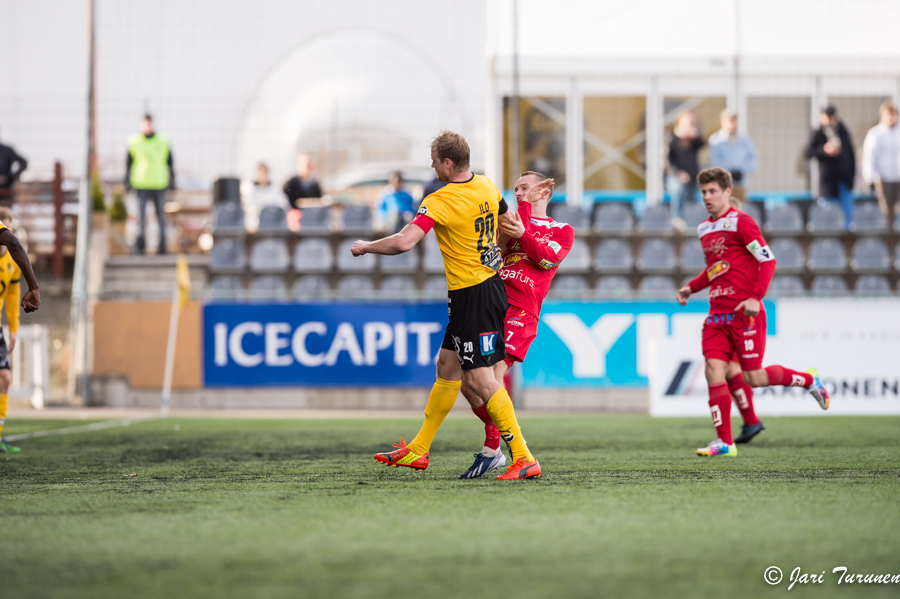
point(488, 343)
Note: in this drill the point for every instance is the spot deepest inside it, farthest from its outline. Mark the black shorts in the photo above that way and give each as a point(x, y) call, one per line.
point(4, 353)
point(476, 328)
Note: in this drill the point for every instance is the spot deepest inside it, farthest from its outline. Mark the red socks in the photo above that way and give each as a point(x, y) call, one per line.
point(720, 408)
point(491, 433)
point(743, 398)
point(787, 377)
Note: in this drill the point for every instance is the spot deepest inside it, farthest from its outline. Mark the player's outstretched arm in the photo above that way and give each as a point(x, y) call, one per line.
point(31, 301)
point(397, 243)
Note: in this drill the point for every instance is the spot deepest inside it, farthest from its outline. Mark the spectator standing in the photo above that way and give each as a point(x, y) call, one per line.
point(150, 172)
point(430, 187)
point(303, 184)
point(681, 182)
point(735, 153)
point(881, 158)
point(831, 145)
point(394, 207)
point(11, 167)
point(259, 193)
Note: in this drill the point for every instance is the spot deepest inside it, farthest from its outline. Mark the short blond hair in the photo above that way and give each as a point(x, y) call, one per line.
point(452, 145)
point(887, 106)
point(6, 215)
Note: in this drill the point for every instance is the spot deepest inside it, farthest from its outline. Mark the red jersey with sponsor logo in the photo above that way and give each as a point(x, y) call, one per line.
point(739, 263)
point(532, 260)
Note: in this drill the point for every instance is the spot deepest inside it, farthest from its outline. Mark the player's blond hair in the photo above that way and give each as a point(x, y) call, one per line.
point(452, 145)
point(6, 215)
point(887, 106)
point(715, 175)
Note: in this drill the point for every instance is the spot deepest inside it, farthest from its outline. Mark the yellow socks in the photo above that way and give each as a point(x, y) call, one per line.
point(504, 416)
point(4, 403)
point(440, 401)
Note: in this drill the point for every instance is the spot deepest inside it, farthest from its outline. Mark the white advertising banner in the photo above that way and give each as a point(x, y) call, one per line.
point(862, 377)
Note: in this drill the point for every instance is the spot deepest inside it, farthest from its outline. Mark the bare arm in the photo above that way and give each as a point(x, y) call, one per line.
point(31, 301)
point(397, 243)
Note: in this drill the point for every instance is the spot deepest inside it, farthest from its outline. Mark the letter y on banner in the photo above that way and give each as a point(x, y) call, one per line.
point(589, 345)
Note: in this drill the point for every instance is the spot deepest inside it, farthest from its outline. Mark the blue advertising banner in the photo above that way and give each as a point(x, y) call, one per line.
point(336, 344)
point(605, 344)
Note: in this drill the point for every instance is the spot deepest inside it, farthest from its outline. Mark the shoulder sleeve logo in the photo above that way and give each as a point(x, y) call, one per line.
point(423, 210)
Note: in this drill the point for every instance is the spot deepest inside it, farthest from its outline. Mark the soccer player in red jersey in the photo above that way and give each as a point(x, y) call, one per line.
point(739, 268)
point(533, 245)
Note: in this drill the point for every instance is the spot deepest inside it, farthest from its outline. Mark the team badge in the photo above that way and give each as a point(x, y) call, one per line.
point(717, 269)
point(488, 343)
point(423, 210)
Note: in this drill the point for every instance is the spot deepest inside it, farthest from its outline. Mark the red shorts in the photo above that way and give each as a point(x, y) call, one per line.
point(735, 336)
point(521, 329)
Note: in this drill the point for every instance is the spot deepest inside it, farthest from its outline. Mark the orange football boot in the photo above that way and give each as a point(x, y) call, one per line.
point(403, 456)
point(522, 468)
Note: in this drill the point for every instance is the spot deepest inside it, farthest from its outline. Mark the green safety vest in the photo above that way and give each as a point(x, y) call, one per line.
point(150, 156)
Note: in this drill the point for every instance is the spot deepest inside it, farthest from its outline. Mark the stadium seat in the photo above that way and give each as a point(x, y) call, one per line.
point(228, 256)
point(657, 220)
point(826, 218)
point(578, 260)
point(613, 219)
point(827, 256)
point(435, 287)
point(702, 294)
point(656, 255)
point(788, 256)
point(784, 219)
point(347, 262)
point(315, 221)
point(693, 259)
point(399, 288)
point(228, 288)
point(268, 287)
point(785, 287)
point(753, 210)
point(433, 262)
point(693, 214)
point(405, 263)
point(270, 256)
point(614, 287)
point(273, 221)
point(313, 255)
point(870, 255)
point(574, 216)
point(357, 220)
point(657, 287)
point(569, 287)
point(228, 219)
point(873, 286)
point(829, 286)
point(311, 287)
point(868, 219)
point(355, 287)
point(613, 256)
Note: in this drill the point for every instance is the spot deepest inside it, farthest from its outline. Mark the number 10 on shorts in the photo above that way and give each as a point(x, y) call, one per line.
point(488, 343)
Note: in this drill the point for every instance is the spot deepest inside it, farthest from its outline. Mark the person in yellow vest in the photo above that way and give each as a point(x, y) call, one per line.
point(14, 264)
point(150, 172)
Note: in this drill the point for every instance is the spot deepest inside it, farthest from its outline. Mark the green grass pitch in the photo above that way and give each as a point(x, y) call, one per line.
point(298, 508)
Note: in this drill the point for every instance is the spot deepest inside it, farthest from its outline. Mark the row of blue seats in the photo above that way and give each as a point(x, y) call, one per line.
point(573, 287)
point(609, 219)
point(614, 255)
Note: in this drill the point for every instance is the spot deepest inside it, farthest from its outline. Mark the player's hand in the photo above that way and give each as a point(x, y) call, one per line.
point(12, 341)
point(683, 294)
point(539, 192)
point(31, 301)
point(359, 248)
point(748, 307)
point(831, 148)
point(513, 225)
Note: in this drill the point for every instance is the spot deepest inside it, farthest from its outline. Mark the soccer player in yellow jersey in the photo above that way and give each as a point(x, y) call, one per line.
point(14, 263)
point(464, 215)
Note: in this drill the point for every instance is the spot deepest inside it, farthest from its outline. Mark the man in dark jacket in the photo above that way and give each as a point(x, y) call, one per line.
point(303, 184)
point(831, 145)
point(681, 182)
point(11, 167)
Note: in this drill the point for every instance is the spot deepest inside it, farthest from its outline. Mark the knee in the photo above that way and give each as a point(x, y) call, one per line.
point(715, 374)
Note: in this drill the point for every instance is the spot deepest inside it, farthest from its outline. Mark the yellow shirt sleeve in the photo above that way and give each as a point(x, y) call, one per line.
point(435, 208)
